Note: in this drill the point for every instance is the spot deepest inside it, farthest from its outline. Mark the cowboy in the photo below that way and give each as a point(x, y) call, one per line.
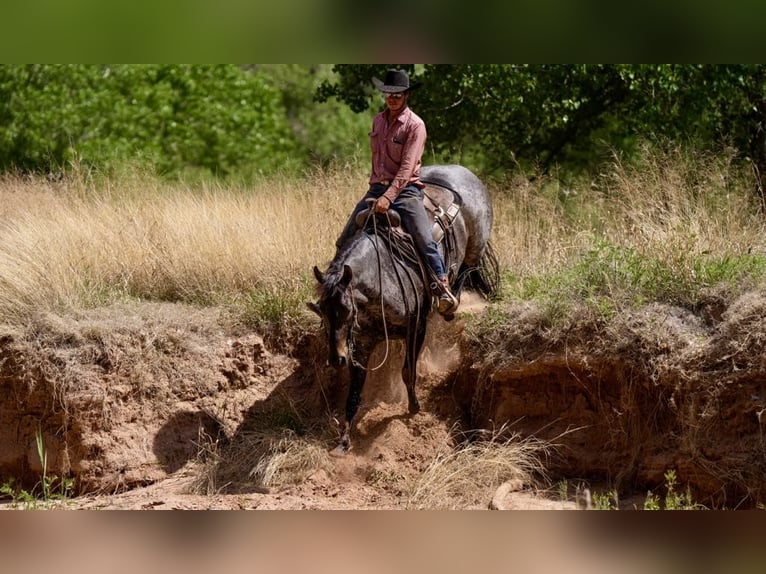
point(397, 141)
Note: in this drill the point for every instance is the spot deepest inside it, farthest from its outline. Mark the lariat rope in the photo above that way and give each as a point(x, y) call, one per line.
point(406, 252)
point(380, 287)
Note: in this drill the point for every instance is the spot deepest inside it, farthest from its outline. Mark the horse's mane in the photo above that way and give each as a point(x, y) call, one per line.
point(402, 249)
point(335, 269)
point(336, 265)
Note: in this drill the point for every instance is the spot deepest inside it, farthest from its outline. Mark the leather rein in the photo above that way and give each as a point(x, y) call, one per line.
point(406, 252)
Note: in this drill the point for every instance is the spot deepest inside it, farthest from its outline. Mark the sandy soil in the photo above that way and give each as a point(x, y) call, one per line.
point(160, 406)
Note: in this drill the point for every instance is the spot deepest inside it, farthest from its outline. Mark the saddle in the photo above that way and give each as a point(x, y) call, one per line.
point(390, 218)
point(441, 206)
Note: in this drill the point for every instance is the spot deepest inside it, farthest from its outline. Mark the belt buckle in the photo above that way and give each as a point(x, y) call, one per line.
point(385, 182)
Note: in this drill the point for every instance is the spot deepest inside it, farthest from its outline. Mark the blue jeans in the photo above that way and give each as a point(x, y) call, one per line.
point(409, 205)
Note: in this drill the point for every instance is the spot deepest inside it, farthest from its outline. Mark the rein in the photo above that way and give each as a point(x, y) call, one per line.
point(410, 255)
point(380, 289)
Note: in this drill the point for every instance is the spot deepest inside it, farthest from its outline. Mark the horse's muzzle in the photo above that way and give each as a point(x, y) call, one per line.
point(339, 352)
point(337, 358)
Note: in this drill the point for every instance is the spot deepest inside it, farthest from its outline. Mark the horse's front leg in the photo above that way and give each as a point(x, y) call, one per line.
point(357, 378)
point(409, 369)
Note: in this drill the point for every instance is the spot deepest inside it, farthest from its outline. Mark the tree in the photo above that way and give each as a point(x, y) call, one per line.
point(220, 119)
point(545, 115)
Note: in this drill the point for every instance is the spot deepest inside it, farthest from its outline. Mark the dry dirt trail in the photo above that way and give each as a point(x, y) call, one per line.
point(128, 400)
point(164, 406)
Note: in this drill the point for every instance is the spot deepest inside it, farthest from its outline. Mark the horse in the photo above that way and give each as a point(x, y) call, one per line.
point(376, 290)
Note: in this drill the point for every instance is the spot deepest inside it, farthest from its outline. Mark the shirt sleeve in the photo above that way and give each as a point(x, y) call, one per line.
point(412, 156)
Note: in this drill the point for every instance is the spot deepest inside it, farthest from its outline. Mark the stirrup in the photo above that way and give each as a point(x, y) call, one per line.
point(447, 303)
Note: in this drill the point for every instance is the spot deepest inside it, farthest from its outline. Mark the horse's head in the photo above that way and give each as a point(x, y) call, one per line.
point(338, 313)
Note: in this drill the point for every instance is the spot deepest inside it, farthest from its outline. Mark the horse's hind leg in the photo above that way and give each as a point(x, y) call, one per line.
point(409, 370)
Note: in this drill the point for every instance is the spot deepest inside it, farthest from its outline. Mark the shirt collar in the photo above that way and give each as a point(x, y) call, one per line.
point(401, 117)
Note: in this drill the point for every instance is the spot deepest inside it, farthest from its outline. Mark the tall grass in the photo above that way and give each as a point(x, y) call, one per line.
point(677, 221)
point(664, 229)
point(65, 246)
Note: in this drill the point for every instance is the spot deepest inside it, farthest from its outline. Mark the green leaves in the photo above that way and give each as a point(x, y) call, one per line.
point(227, 119)
point(218, 118)
point(540, 116)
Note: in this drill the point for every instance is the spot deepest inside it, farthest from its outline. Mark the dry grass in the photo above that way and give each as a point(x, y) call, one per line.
point(64, 247)
point(459, 478)
point(532, 232)
point(83, 244)
point(468, 476)
point(260, 460)
point(678, 206)
point(288, 460)
point(673, 207)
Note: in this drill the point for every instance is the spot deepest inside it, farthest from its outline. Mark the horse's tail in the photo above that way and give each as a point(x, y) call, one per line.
point(484, 278)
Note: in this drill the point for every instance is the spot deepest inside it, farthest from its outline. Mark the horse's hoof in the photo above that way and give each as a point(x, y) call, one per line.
point(341, 450)
point(414, 408)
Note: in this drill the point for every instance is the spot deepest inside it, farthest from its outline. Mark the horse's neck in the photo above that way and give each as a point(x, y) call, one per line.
point(366, 259)
point(372, 265)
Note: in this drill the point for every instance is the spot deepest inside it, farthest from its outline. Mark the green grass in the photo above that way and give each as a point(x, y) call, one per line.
point(48, 490)
point(608, 277)
point(674, 499)
point(277, 310)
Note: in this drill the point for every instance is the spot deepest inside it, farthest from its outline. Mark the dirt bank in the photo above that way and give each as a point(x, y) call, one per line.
point(134, 401)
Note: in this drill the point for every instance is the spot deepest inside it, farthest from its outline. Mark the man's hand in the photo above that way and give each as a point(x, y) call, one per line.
point(382, 204)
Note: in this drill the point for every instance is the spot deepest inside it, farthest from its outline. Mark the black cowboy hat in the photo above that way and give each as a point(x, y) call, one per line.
point(396, 81)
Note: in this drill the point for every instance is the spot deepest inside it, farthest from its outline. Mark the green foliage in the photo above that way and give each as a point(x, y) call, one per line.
point(609, 276)
point(674, 500)
point(218, 119)
point(277, 311)
point(538, 116)
point(328, 132)
point(50, 488)
point(271, 305)
point(605, 501)
point(651, 502)
point(229, 120)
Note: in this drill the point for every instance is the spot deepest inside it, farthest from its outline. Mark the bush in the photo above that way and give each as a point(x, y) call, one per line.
point(218, 119)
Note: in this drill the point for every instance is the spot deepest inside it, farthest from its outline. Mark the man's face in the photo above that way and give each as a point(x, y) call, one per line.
point(396, 102)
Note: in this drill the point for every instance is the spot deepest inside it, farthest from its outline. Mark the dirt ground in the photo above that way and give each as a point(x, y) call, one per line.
point(144, 391)
point(164, 406)
point(346, 486)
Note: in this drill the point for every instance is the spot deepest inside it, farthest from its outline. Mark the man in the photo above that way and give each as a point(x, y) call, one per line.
point(397, 142)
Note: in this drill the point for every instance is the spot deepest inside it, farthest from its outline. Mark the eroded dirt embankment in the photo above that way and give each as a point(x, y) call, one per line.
point(125, 396)
point(630, 398)
point(128, 395)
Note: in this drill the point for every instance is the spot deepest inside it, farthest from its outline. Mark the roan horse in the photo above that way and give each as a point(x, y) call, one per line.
point(375, 289)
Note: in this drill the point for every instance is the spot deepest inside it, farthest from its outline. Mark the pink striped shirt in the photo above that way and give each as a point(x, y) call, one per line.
point(397, 150)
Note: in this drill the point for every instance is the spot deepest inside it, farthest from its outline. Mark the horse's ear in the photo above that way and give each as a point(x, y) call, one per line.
point(314, 307)
point(318, 274)
point(347, 274)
